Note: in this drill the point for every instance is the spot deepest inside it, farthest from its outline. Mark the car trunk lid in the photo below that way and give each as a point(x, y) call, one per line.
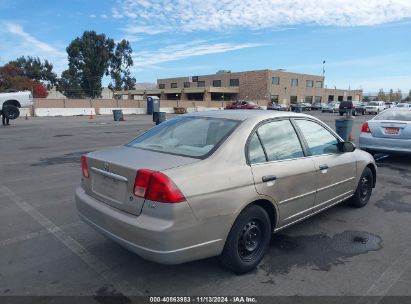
point(113, 172)
point(390, 129)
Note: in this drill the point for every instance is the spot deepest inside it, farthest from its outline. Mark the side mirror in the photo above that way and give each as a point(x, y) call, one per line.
point(346, 146)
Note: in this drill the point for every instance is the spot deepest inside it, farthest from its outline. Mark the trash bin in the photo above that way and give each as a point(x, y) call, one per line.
point(298, 108)
point(159, 117)
point(343, 127)
point(118, 115)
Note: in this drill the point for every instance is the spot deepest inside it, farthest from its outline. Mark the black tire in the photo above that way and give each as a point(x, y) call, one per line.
point(364, 189)
point(247, 241)
point(11, 112)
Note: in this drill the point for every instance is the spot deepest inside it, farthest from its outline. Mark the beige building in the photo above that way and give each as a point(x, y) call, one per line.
point(261, 86)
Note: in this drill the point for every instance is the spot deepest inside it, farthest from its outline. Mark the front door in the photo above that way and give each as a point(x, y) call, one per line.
point(281, 171)
point(336, 171)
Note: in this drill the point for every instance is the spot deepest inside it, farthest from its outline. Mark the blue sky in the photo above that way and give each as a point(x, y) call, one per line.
point(366, 43)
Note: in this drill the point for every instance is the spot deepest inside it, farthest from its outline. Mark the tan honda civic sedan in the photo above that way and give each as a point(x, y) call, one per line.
point(219, 183)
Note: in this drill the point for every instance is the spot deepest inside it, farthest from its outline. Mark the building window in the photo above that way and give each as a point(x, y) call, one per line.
point(340, 98)
point(186, 84)
point(275, 80)
point(274, 98)
point(234, 82)
point(201, 84)
point(161, 86)
point(330, 97)
point(173, 85)
point(216, 83)
point(309, 83)
point(318, 84)
point(293, 99)
point(308, 99)
point(194, 79)
point(349, 98)
point(318, 99)
point(294, 82)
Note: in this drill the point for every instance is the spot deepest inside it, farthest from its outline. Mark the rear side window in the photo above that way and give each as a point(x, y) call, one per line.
point(280, 140)
point(319, 139)
point(401, 115)
point(255, 150)
point(186, 136)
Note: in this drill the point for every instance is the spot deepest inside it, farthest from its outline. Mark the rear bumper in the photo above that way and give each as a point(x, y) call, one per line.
point(389, 145)
point(155, 239)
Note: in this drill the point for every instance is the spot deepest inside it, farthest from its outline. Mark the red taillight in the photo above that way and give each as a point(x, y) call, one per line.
point(365, 128)
point(84, 167)
point(142, 182)
point(156, 186)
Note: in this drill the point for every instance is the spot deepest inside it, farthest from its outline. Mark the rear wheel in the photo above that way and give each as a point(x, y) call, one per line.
point(248, 240)
point(364, 189)
point(11, 112)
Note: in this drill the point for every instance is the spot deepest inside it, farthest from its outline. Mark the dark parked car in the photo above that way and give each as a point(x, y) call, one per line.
point(354, 108)
point(243, 105)
point(305, 106)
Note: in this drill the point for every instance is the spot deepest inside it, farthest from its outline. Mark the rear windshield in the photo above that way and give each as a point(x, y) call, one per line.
point(187, 136)
point(373, 104)
point(403, 115)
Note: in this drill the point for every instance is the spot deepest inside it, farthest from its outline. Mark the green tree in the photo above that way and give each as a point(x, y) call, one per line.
point(120, 67)
point(89, 58)
point(35, 69)
point(70, 84)
point(366, 99)
point(381, 95)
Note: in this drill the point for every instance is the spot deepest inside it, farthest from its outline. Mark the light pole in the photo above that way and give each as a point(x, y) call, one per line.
point(177, 99)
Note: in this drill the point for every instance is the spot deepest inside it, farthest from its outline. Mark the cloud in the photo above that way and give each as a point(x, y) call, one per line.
point(92, 16)
point(103, 16)
point(149, 30)
point(182, 51)
point(24, 44)
point(200, 15)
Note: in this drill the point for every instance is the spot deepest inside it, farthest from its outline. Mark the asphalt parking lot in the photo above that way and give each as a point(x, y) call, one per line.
point(45, 249)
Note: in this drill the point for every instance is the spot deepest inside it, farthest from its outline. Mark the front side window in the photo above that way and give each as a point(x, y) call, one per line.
point(319, 139)
point(280, 140)
point(186, 136)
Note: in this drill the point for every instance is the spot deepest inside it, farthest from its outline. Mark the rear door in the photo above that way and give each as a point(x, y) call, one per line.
point(336, 171)
point(281, 171)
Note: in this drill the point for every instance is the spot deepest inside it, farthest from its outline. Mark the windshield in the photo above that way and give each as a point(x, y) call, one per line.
point(186, 136)
point(402, 115)
point(402, 106)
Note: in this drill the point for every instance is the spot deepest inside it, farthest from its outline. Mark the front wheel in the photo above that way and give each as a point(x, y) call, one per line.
point(364, 189)
point(248, 240)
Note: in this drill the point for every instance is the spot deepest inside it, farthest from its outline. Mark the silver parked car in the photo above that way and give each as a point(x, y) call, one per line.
point(218, 183)
point(390, 131)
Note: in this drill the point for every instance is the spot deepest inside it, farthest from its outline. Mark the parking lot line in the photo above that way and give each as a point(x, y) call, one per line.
point(33, 235)
point(388, 278)
point(92, 261)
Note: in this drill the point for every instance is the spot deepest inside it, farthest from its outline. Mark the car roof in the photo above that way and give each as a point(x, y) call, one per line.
point(245, 114)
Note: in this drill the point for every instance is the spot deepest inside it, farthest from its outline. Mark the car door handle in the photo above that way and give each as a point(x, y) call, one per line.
point(323, 167)
point(269, 178)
